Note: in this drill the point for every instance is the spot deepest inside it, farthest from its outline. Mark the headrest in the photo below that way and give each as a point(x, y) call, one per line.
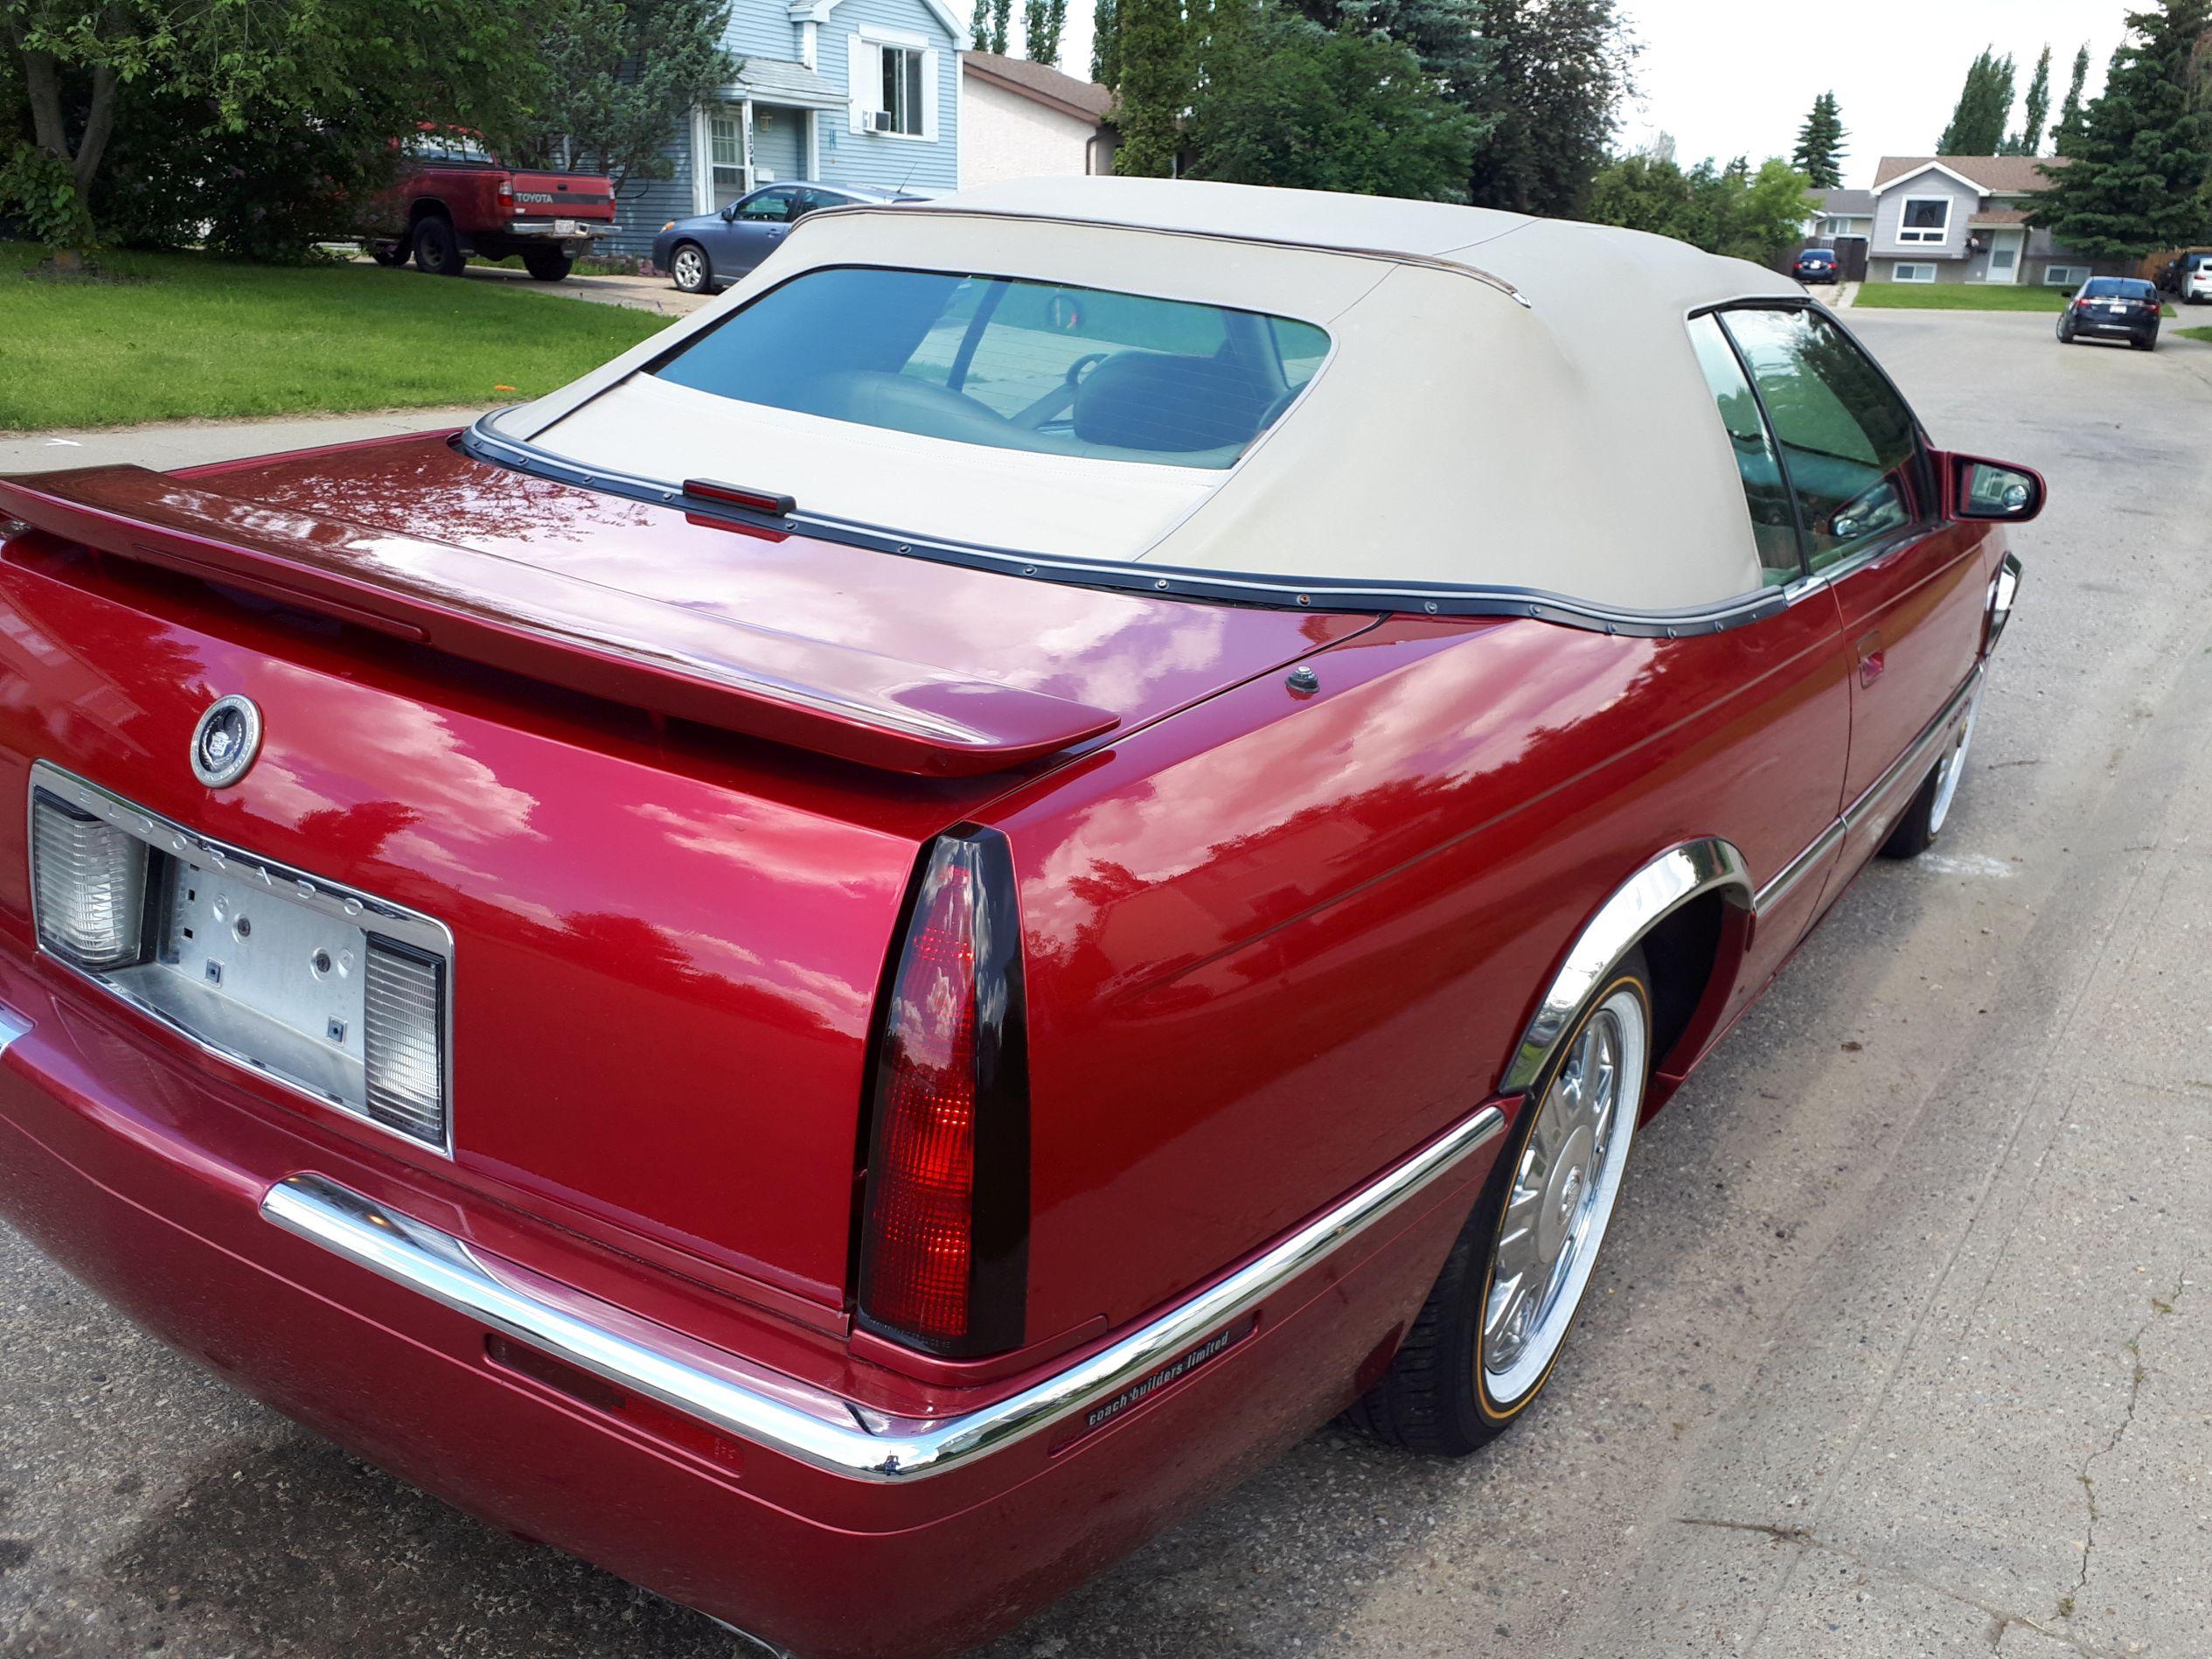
point(1168, 404)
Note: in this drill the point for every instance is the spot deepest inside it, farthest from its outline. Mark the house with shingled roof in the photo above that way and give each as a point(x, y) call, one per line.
point(838, 92)
point(1964, 219)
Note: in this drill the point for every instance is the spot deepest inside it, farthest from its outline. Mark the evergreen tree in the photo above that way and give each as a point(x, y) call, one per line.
point(1446, 35)
point(2068, 130)
point(1550, 96)
point(1820, 152)
point(2029, 140)
point(2138, 176)
point(1984, 104)
point(1155, 82)
point(1041, 24)
point(991, 25)
point(1105, 44)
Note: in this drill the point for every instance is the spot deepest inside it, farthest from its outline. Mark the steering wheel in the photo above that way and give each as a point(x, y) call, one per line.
point(1062, 397)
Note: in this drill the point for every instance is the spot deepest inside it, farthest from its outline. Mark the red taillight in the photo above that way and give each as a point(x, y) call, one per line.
point(506, 195)
point(945, 1227)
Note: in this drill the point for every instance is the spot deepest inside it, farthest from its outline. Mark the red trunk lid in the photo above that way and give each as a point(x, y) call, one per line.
point(668, 936)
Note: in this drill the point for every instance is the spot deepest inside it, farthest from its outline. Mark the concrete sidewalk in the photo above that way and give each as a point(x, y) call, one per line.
point(168, 445)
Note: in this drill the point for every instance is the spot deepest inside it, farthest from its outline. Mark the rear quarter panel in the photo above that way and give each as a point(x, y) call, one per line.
point(1275, 943)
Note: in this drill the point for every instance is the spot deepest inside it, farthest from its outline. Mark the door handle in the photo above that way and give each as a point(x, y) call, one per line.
point(1870, 659)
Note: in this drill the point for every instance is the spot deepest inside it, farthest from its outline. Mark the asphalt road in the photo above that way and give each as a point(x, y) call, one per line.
point(1902, 1345)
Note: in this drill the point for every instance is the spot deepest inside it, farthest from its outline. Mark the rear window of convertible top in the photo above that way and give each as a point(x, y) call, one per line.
point(1010, 363)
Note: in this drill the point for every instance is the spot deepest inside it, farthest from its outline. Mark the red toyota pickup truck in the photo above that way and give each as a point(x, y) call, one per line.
point(454, 198)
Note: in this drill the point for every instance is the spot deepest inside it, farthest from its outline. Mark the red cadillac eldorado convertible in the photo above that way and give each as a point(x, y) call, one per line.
point(845, 963)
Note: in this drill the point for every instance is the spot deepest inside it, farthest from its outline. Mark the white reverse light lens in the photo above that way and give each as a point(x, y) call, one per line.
point(403, 1041)
point(90, 883)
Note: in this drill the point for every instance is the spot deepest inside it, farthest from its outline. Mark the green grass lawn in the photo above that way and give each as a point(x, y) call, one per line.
point(2204, 334)
point(180, 335)
point(1963, 297)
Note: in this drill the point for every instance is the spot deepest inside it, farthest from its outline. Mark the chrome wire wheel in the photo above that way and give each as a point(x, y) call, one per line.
point(1951, 769)
point(1562, 1197)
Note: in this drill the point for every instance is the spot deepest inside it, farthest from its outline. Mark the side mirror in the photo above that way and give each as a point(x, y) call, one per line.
point(1994, 490)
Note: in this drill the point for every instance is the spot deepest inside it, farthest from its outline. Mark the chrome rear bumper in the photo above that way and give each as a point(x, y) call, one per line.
point(813, 1425)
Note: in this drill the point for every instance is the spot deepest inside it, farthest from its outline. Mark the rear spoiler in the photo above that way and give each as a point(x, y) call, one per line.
point(832, 699)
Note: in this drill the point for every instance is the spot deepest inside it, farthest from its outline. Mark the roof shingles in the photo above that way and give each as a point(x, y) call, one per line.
point(1041, 82)
point(1996, 175)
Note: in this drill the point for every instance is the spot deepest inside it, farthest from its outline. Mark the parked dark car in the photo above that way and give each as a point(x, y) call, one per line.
point(2113, 308)
point(710, 251)
point(1817, 265)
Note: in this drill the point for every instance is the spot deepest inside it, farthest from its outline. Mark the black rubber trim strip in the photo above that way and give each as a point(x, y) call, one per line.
point(1274, 592)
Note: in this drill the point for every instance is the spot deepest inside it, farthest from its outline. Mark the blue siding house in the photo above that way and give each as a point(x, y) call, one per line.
point(848, 91)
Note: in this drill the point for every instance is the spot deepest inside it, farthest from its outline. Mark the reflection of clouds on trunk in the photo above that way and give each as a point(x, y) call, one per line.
point(1385, 772)
point(594, 557)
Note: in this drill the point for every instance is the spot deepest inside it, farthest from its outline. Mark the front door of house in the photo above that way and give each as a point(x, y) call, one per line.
point(2004, 255)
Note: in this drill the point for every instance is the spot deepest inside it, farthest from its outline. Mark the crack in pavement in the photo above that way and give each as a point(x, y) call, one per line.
point(2004, 1619)
point(2161, 1306)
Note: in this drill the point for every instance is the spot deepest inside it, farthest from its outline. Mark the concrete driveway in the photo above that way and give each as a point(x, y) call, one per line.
point(1902, 1345)
point(655, 294)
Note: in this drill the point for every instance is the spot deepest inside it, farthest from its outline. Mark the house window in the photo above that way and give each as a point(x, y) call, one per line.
point(1919, 273)
point(1925, 218)
point(902, 89)
point(726, 138)
point(2065, 276)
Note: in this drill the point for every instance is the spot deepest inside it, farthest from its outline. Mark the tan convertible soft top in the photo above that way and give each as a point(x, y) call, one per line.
point(1509, 403)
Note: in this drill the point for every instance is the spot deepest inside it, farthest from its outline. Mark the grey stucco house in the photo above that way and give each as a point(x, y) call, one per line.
point(1964, 219)
point(848, 91)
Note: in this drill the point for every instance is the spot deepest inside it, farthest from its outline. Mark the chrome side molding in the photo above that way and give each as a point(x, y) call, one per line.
point(12, 1025)
point(1665, 884)
point(810, 1424)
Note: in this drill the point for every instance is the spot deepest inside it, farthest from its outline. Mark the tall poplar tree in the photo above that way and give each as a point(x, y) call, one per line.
point(1820, 152)
point(2067, 133)
point(2029, 140)
point(1041, 24)
point(1985, 105)
point(1154, 83)
point(991, 25)
point(2137, 180)
point(1105, 44)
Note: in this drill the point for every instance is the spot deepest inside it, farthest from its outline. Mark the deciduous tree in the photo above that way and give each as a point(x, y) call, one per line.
point(1042, 24)
point(338, 65)
point(1727, 210)
point(1105, 44)
point(2068, 132)
point(1286, 102)
point(1985, 105)
point(1550, 93)
point(1154, 84)
point(2028, 141)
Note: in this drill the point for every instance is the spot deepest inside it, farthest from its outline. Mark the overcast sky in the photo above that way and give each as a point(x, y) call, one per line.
point(1731, 80)
point(1738, 79)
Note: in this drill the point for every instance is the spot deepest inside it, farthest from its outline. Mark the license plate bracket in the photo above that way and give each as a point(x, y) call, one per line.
point(265, 965)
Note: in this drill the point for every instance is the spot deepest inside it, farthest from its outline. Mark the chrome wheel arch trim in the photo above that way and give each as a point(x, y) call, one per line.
point(800, 1420)
point(1681, 874)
